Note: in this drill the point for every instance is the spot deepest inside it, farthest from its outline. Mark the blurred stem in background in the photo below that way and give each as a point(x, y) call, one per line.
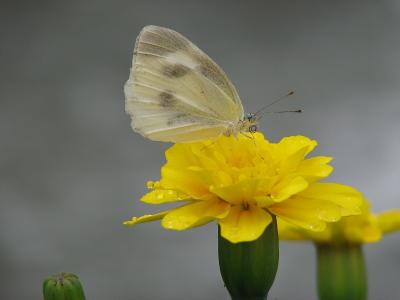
point(341, 272)
point(249, 268)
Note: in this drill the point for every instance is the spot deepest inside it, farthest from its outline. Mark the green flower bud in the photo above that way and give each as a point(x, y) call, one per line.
point(341, 272)
point(249, 268)
point(63, 286)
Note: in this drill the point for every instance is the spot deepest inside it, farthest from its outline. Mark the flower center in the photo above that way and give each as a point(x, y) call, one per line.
point(245, 205)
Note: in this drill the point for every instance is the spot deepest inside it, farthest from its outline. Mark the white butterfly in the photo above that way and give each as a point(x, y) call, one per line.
point(176, 93)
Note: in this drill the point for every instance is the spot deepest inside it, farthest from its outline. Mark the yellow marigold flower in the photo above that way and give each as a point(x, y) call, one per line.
point(364, 228)
point(240, 182)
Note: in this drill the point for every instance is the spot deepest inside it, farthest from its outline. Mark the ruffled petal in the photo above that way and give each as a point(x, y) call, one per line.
point(346, 197)
point(244, 225)
point(193, 214)
point(243, 191)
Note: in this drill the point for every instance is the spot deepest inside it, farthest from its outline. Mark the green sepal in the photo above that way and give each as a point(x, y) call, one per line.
point(63, 286)
point(341, 272)
point(249, 268)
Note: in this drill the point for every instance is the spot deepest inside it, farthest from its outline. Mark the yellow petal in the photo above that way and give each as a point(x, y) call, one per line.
point(311, 214)
point(159, 196)
point(180, 156)
point(288, 187)
point(289, 164)
point(145, 218)
point(190, 182)
point(243, 225)
point(389, 221)
point(289, 232)
point(292, 144)
point(315, 168)
point(371, 234)
point(263, 201)
point(243, 191)
point(360, 229)
point(346, 197)
point(192, 214)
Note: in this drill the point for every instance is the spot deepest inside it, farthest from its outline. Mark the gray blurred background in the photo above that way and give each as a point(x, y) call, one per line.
point(72, 170)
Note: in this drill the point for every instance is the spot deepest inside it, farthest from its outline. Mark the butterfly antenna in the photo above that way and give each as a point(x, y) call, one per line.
point(284, 111)
point(273, 102)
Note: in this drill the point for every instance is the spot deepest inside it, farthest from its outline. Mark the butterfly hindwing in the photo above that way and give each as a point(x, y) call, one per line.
point(175, 92)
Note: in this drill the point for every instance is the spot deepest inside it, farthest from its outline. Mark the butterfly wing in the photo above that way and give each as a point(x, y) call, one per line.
point(175, 92)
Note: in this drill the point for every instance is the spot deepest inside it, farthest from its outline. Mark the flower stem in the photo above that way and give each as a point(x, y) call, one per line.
point(63, 286)
point(341, 272)
point(249, 268)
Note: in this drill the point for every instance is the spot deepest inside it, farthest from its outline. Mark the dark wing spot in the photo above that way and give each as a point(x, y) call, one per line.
point(175, 71)
point(211, 74)
point(167, 99)
point(214, 73)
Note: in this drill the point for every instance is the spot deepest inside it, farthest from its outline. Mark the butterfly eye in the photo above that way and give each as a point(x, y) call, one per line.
point(250, 117)
point(253, 128)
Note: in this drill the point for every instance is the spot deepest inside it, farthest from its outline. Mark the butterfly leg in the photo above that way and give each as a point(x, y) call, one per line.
point(207, 146)
point(248, 136)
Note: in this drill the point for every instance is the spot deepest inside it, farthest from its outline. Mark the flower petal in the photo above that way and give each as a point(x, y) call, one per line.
point(315, 168)
point(190, 182)
point(346, 197)
point(292, 144)
point(180, 156)
point(243, 225)
point(288, 187)
point(146, 218)
point(290, 232)
point(193, 214)
point(290, 163)
point(159, 196)
point(311, 214)
point(389, 221)
point(243, 191)
point(359, 229)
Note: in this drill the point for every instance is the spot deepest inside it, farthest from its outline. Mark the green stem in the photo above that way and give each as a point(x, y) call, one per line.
point(63, 286)
point(249, 268)
point(341, 272)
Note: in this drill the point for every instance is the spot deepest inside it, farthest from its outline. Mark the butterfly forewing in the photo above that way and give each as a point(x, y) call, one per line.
point(175, 92)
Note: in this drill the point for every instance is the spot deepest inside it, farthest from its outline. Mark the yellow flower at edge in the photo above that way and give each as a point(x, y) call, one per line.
point(364, 228)
point(240, 182)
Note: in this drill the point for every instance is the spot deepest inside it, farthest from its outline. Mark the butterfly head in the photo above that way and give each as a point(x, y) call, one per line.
point(250, 122)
